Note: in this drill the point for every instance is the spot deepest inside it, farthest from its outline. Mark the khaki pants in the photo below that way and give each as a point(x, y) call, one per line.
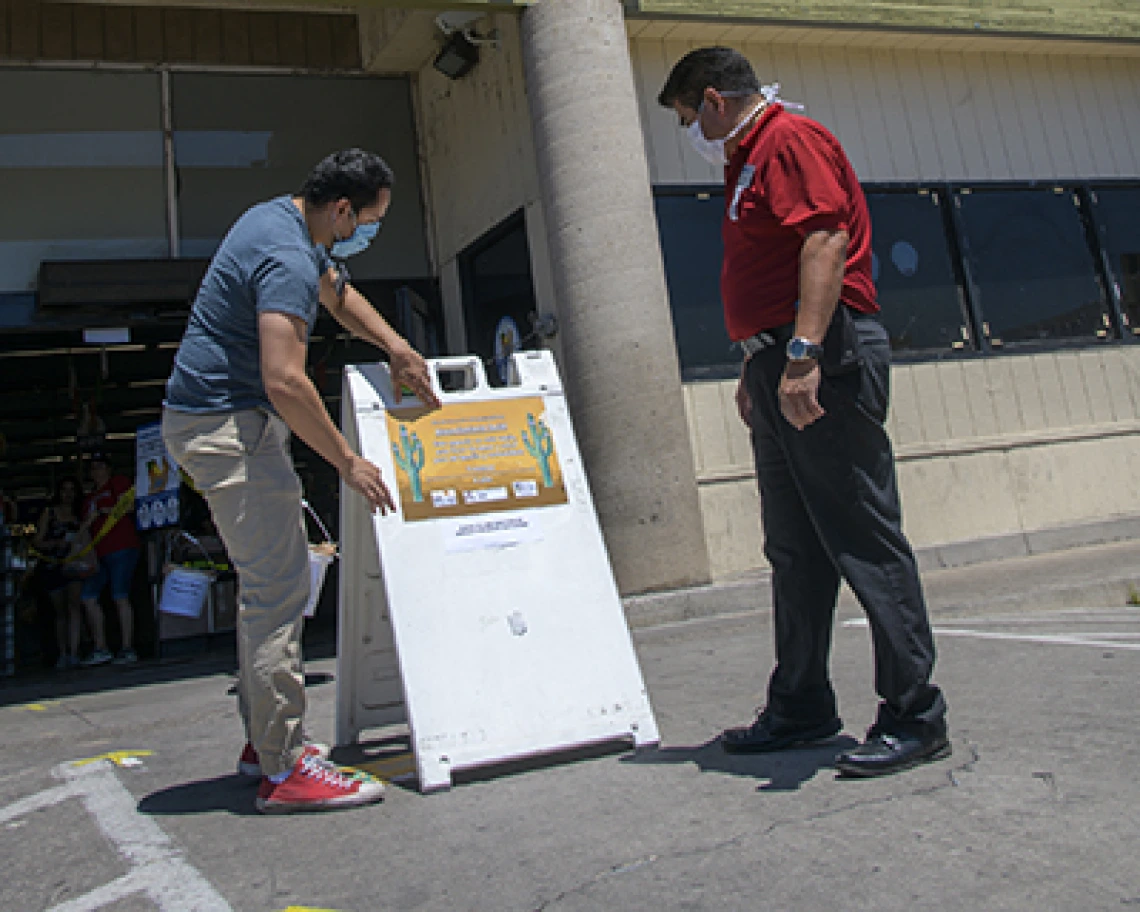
point(241, 464)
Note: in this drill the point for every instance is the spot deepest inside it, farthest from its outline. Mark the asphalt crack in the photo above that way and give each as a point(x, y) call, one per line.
point(80, 716)
point(636, 865)
point(950, 782)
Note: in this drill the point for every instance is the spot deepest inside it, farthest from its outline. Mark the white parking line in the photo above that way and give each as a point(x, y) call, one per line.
point(1100, 639)
point(157, 866)
point(1065, 618)
point(36, 802)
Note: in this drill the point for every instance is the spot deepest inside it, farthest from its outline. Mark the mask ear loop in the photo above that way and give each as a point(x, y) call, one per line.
point(771, 95)
point(356, 220)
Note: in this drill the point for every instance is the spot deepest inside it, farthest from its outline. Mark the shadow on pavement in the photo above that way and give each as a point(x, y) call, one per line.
point(42, 684)
point(233, 794)
point(392, 760)
point(540, 761)
point(389, 758)
point(784, 771)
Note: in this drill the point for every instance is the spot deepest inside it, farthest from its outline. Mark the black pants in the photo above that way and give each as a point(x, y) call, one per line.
point(830, 510)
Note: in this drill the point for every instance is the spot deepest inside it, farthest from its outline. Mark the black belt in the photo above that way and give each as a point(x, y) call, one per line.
point(766, 339)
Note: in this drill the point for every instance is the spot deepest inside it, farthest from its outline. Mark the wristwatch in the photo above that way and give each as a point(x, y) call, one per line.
point(801, 349)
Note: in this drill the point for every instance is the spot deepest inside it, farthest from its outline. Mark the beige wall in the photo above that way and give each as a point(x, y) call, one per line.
point(989, 447)
point(476, 140)
point(478, 162)
point(1118, 19)
point(953, 111)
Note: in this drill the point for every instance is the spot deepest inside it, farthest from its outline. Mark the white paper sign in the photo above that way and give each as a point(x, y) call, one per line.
point(481, 533)
point(157, 480)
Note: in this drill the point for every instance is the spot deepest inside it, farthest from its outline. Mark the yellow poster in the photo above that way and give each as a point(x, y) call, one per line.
point(475, 457)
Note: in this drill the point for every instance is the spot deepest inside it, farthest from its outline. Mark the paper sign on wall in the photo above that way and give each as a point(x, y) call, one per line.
point(475, 457)
point(157, 480)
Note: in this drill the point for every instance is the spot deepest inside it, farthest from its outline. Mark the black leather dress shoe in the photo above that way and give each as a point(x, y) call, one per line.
point(767, 734)
point(883, 753)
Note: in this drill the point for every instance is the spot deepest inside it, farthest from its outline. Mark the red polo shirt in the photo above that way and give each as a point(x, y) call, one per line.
point(788, 178)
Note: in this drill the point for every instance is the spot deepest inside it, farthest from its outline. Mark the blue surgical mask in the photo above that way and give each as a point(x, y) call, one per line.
point(357, 242)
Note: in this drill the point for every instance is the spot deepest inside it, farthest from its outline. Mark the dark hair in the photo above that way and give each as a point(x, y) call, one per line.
point(721, 68)
point(352, 174)
point(77, 500)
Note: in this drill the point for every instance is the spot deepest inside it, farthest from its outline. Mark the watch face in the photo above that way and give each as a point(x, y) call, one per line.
point(800, 349)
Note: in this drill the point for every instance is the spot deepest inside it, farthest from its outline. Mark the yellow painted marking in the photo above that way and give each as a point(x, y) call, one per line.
point(388, 769)
point(307, 909)
point(37, 707)
point(116, 757)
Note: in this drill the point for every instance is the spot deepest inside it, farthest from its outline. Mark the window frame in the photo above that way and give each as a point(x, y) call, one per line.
point(1097, 230)
point(1119, 332)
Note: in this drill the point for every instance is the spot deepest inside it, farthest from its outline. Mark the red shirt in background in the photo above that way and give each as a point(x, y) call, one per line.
point(789, 177)
point(122, 535)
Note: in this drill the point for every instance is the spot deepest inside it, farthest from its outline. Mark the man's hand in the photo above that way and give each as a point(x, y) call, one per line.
point(409, 369)
point(364, 478)
point(799, 392)
point(743, 400)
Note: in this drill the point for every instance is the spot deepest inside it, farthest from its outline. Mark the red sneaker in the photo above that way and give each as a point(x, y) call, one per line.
point(249, 764)
point(316, 785)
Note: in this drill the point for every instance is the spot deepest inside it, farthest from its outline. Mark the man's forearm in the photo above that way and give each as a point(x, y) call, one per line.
point(361, 319)
point(823, 259)
point(410, 373)
point(299, 404)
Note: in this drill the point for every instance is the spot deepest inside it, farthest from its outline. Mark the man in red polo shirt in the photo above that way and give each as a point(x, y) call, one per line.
point(799, 299)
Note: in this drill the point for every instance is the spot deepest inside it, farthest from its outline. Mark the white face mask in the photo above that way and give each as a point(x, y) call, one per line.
point(712, 150)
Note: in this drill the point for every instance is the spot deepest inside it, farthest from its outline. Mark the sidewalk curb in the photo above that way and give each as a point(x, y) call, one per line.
point(1094, 576)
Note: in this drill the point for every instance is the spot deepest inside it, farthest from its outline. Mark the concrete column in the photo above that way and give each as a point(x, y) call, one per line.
point(619, 359)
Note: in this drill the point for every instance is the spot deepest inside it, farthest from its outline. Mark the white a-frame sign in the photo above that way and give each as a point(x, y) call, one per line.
point(483, 612)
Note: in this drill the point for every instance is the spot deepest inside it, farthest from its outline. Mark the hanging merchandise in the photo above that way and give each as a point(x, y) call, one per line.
point(321, 557)
point(186, 588)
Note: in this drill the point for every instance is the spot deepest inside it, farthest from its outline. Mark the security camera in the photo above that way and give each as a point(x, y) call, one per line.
point(451, 22)
point(456, 21)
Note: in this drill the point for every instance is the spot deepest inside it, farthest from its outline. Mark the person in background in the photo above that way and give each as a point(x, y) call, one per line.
point(56, 533)
point(117, 547)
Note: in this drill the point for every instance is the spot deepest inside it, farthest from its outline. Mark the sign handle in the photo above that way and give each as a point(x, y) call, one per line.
point(472, 368)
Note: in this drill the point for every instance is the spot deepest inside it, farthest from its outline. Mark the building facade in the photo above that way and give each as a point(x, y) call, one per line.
point(1000, 149)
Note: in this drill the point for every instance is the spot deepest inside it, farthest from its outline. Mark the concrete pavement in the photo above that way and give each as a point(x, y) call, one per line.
point(1036, 810)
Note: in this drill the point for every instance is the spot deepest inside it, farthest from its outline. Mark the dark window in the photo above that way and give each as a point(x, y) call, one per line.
point(81, 170)
point(238, 140)
point(1117, 211)
point(922, 305)
point(1031, 265)
point(689, 227)
point(498, 296)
